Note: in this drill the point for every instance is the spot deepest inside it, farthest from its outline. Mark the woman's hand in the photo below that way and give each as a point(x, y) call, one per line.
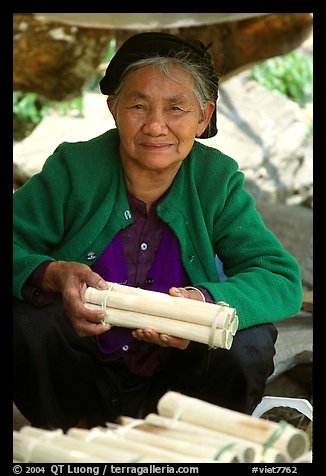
point(149, 335)
point(71, 279)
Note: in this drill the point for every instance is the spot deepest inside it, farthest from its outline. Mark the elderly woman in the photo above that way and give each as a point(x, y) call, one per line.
point(145, 205)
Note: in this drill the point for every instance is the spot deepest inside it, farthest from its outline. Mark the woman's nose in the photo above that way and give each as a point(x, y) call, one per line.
point(155, 124)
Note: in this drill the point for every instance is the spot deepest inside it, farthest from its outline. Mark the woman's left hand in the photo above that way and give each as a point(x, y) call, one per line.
point(149, 335)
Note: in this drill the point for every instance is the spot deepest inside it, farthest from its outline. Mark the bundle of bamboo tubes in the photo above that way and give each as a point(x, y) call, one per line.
point(292, 442)
point(185, 430)
point(135, 308)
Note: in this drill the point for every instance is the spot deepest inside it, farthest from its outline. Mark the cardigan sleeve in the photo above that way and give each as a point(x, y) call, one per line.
point(32, 290)
point(263, 280)
point(38, 219)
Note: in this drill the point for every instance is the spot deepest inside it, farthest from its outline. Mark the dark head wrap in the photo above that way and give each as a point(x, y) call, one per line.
point(149, 44)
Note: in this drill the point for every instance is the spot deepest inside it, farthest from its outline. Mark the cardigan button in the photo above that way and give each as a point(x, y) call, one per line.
point(91, 255)
point(127, 215)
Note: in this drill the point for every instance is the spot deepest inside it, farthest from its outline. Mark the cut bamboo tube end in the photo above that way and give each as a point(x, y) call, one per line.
point(305, 458)
point(234, 324)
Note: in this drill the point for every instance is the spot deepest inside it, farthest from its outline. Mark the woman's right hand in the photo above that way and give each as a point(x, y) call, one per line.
point(71, 279)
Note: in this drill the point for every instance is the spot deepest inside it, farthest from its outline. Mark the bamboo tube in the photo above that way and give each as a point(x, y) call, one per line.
point(145, 293)
point(219, 452)
point(248, 451)
point(305, 458)
point(269, 455)
point(244, 451)
point(185, 330)
point(233, 325)
point(110, 440)
point(163, 305)
point(58, 439)
point(292, 441)
point(32, 450)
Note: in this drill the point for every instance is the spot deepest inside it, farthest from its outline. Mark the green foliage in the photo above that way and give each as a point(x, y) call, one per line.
point(73, 107)
point(29, 107)
point(291, 75)
point(32, 108)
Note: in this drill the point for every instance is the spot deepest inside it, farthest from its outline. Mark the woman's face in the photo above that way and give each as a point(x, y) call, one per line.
point(158, 118)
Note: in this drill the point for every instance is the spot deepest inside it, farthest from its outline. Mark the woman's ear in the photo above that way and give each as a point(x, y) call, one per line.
point(110, 102)
point(206, 117)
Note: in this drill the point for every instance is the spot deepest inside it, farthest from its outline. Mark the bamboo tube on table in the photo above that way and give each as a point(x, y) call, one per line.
point(248, 451)
point(253, 452)
point(31, 450)
point(110, 440)
point(162, 305)
point(269, 455)
point(186, 330)
point(292, 441)
point(220, 453)
point(220, 450)
point(305, 458)
point(57, 439)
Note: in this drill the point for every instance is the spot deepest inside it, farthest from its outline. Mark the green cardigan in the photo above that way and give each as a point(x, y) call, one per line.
point(78, 203)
